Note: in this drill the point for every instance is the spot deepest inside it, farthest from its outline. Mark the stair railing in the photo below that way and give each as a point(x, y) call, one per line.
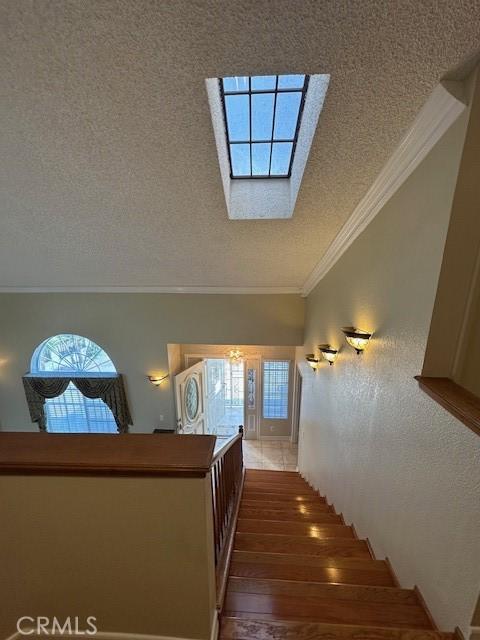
point(227, 481)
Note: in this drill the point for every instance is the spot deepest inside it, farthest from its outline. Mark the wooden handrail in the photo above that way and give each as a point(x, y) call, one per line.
point(227, 482)
point(462, 404)
point(95, 454)
point(226, 446)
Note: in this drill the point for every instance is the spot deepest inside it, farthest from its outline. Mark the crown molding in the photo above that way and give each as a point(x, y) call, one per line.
point(199, 290)
point(443, 107)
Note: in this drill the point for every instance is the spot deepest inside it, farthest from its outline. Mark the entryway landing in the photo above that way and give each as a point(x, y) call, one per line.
point(270, 454)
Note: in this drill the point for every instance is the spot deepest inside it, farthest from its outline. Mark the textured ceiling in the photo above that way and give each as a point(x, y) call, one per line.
point(109, 174)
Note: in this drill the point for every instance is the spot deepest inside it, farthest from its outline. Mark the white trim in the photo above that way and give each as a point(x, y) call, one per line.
point(440, 111)
point(201, 290)
point(113, 635)
point(273, 438)
point(105, 635)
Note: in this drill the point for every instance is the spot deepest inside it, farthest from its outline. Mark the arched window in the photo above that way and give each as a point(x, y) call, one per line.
point(72, 412)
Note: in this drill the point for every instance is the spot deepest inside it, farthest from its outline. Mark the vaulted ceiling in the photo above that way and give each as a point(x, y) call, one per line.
point(109, 173)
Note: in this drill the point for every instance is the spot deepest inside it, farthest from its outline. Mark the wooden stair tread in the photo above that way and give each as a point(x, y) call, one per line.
point(392, 595)
point(285, 505)
point(251, 475)
point(287, 498)
point(310, 530)
point(289, 515)
point(306, 573)
point(281, 476)
point(305, 560)
point(280, 543)
point(334, 610)
point(233, 628)
point(291, 487)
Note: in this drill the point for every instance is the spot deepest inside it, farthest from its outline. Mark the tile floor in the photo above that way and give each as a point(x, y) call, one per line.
point(269, 454)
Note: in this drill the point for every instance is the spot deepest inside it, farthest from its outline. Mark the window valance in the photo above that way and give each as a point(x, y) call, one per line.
point(110, 389)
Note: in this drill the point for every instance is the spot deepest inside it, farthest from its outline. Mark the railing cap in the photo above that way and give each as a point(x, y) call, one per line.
point(106, 454)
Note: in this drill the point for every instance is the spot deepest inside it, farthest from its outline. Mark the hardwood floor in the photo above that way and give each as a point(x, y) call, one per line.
point(298, 572)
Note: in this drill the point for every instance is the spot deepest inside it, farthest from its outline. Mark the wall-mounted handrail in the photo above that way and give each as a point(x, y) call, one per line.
point(227, 482)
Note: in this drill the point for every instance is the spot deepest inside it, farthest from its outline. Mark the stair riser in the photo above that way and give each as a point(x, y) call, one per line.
point(295, 528)
point(289, 516)
point(275, 488)
point(286, 544)
point(325, 610)
point(317, 507)
point(309, 589)
point(308, 573)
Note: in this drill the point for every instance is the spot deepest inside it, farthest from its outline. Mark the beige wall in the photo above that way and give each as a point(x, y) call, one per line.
point(135, 329)
point(392, 460)
point(453, 347)
point(136, 553)
point(468, 373)
point(268, 428)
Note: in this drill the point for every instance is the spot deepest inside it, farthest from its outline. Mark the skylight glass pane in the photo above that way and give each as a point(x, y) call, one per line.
point(281, 154)
point(260, 158)
point(286, 115)
point(291, 82)
point(235, 84)
point(238, 117)
point(240, 157)
point(262, 116)
point(262, 83)
point(262, 110)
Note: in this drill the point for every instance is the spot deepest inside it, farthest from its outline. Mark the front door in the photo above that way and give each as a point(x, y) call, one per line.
point(190, 399)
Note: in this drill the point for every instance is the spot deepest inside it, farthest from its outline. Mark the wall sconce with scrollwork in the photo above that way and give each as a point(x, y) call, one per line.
point(312, 361)
point(328, 352)
point(357, 338)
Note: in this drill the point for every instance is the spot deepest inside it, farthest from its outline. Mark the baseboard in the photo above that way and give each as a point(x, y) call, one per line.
point(110, 635)
point(275, 438)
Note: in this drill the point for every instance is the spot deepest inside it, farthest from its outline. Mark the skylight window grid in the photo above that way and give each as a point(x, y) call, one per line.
point(262, 119)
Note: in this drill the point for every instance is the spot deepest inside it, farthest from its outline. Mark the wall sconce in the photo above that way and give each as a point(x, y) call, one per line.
point(312, 361)
point(357, 338)
point(157, 380)
point(328, 353)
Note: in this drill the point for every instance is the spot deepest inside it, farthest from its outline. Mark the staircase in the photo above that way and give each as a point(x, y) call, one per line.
point(297, 571)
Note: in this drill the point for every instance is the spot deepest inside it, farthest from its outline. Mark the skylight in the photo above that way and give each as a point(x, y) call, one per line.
point(262, 120)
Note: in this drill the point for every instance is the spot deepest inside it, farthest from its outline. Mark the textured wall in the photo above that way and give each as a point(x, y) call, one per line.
point(458, 292)
point(392, 460)
point(134, 329)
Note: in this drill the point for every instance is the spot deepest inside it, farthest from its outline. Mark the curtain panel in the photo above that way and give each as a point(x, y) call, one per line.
point(111, 390)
